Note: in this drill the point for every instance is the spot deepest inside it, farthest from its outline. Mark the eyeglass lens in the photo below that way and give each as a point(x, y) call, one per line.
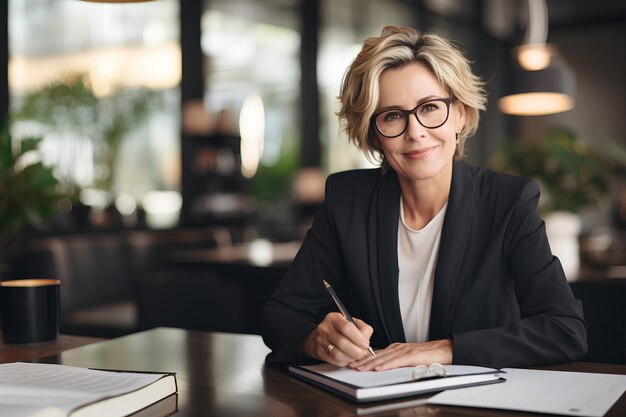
point(430, 114)
point(434, 369)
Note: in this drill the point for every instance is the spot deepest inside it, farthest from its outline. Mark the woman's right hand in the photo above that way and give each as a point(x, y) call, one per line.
point(336, 340)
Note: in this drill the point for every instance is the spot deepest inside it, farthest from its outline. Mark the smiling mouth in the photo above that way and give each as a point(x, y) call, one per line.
point(420, 153)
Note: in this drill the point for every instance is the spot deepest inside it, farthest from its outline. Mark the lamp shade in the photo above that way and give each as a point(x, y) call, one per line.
point(546, 91)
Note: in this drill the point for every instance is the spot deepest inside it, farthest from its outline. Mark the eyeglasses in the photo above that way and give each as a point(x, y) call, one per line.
point(430, 114)
point(432, 370)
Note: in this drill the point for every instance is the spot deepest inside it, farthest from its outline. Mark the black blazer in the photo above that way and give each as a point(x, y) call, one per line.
point(498, 291)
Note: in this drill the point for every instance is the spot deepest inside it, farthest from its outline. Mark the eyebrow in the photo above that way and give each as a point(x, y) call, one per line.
point(419, 102)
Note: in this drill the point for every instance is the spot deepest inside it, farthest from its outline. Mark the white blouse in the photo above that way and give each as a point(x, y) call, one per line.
point(417, 258)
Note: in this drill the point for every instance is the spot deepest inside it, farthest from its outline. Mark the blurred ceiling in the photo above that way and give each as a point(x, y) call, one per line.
point(574, 13)
point(506, 20)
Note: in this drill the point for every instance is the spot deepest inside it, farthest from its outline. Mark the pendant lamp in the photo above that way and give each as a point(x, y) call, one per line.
point(542, 82)
point(546, 91)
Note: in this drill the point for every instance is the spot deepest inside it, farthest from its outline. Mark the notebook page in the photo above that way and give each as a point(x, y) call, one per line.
point(67, 387)
point(365, 379)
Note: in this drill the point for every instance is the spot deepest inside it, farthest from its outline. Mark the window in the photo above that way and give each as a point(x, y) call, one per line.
point(252, 49)
point(112, 58)
point(244, 144)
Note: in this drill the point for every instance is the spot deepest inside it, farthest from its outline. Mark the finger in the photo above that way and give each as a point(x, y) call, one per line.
point(337, 331)
point(322, 337)
point(379, 354)
point(351, 352)
point(380, 364)
point(365, 328)
point(382, 356)
point(408, 354)
point(367, 362)
point(326, 329)
point(337, 357)
point(352, 332)
point(363, 363)
point(395, 360)
point(352, 341)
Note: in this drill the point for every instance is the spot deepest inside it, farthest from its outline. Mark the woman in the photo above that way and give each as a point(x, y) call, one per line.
point(440, 261)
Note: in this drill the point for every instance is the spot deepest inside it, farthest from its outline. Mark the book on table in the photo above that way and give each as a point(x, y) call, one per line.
point(368, 386)
point(50, 390)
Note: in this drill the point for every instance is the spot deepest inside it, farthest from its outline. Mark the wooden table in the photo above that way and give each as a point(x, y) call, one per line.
point(222, 374)
point(260, 253)
point(25, 352)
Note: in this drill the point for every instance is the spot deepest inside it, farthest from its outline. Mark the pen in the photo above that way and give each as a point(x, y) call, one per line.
point(343, 309)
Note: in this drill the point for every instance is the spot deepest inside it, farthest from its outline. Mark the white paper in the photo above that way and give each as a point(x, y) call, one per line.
point(30, 386)
point(554, 392)
point(365, 379)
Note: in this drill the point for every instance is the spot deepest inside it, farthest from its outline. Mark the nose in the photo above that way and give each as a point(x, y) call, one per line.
point(414, 130)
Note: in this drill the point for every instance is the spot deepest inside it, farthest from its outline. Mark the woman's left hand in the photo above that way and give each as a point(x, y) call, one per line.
point(398, 355)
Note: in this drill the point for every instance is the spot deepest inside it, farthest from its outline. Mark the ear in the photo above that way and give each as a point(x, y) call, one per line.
point(459, 114)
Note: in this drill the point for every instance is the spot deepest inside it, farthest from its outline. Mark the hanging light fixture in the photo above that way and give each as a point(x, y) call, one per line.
point(543, 83)
point(534, 54)
point(546, 91)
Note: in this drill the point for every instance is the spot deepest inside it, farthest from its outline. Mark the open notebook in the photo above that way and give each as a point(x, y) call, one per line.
point(370, 386)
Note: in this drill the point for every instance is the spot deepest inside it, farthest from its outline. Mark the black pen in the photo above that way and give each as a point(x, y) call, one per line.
point(343, 309)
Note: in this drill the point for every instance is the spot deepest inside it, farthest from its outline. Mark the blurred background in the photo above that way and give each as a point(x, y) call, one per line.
point(165, 158)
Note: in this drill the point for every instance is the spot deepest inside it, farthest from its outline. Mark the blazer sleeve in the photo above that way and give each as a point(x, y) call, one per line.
point(300, 301)
point(551, 327)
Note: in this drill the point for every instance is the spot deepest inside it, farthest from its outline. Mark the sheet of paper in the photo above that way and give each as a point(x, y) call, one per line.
point(555, 392)
point(30, 385)
point(30, 411)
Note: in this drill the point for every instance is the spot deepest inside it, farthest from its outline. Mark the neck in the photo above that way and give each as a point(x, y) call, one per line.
point(423, 199)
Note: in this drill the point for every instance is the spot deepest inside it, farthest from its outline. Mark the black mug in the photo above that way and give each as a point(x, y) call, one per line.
point(29, 309)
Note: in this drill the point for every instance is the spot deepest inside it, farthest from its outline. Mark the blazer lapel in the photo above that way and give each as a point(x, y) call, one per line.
point(454, 238)
point(383, 254)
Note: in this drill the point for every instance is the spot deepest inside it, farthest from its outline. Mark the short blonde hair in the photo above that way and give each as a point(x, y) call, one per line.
point(398, 46)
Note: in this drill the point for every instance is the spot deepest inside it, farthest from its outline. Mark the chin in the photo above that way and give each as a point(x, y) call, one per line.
point(423, 172)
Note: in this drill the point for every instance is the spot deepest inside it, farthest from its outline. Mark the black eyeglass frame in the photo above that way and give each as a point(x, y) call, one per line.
point(413, 111)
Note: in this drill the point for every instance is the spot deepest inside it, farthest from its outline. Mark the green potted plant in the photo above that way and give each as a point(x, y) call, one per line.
point(70, 108)
point(29, 192)
point(571, 176)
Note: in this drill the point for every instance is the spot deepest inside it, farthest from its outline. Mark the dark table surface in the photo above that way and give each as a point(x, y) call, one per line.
point(223, 374)
point(25, 352)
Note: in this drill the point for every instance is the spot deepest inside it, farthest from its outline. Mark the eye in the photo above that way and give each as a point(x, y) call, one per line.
point(430, 107)
point(392, 115)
